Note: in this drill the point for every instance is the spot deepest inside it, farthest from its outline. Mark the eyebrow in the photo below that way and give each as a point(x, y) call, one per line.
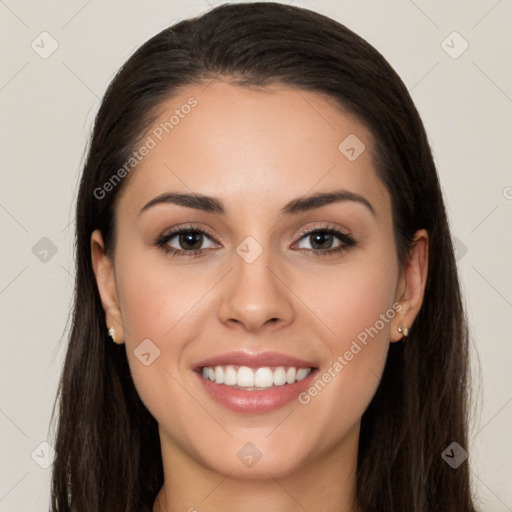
point(212, 205)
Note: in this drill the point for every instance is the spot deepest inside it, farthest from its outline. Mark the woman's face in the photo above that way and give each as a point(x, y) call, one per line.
point(260, 283)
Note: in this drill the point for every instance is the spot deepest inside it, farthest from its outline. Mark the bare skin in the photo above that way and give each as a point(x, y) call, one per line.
point(256, 150)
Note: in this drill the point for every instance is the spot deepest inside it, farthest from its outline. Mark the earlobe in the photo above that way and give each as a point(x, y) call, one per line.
point(105, 280)
point(411, 287)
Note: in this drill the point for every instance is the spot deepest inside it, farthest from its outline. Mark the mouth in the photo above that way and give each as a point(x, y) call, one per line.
point(255, 383)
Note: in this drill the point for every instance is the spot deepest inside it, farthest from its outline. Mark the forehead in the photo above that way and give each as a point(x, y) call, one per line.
point(254, 147)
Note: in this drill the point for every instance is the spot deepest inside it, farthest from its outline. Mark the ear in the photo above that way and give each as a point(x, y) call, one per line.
point(411, 285)
point(105, 279)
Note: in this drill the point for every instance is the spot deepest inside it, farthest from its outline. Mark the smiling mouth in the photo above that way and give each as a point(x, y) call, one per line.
point(246, 378)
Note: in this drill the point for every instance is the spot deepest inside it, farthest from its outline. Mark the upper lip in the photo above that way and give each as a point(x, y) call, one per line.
point(255, 360)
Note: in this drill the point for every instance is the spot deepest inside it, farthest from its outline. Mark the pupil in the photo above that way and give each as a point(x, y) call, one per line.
point(188, 238)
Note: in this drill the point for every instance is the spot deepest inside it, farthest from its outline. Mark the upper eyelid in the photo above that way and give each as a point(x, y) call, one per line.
point(325, 227)
point(176, 231)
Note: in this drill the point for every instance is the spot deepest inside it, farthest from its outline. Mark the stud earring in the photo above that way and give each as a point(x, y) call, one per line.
point(403, 330)
point(112, 334)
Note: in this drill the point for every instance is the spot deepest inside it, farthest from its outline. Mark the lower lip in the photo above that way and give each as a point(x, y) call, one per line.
point(255, 401)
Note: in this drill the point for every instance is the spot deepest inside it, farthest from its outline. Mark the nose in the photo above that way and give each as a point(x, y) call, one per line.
point(255, 296)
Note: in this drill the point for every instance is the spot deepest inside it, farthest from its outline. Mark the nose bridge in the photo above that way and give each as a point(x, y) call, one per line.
point(256, 293)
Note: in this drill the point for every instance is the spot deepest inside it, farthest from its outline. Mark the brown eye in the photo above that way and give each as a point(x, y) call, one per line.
point(190, 240)
point(321, 241)
point(185, 241)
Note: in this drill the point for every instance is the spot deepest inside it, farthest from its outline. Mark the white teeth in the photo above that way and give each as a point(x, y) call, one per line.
point(279, 376)
point(230, 376)
point(290, 375)
point(245, 377)
point(219, 374)
point(302, 373)
point(260, 378)
point(263, 378)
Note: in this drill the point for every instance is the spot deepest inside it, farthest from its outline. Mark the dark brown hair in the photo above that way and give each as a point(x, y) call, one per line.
point(107, 442)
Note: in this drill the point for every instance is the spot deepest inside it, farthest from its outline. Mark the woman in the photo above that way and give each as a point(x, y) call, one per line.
point(267, 310)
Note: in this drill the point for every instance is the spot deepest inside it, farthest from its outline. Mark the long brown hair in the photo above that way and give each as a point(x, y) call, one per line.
point(107, 442)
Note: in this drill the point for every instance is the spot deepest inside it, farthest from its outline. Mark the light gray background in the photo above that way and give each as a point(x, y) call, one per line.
point(48, 106)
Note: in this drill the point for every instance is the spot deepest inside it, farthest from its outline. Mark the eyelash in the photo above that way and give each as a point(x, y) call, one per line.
point(347, 241)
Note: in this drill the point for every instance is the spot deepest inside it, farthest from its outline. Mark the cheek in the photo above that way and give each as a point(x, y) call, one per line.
point(355, 305)
point(158, 306)
point(156, 297)
point(353, 297)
